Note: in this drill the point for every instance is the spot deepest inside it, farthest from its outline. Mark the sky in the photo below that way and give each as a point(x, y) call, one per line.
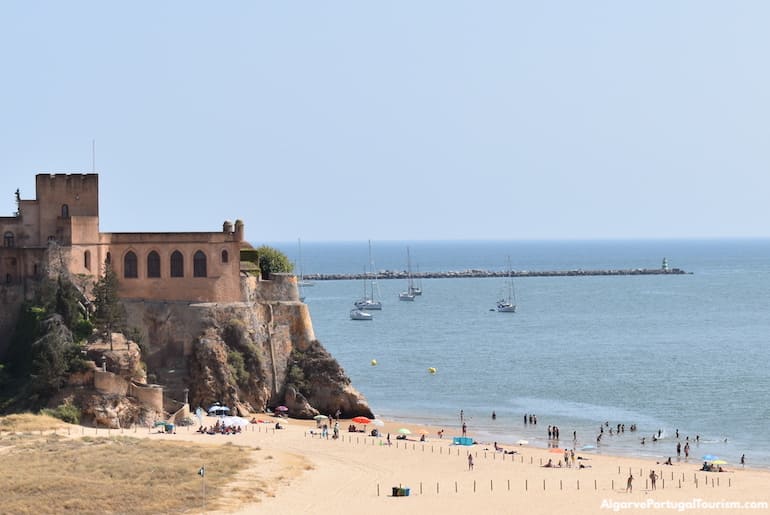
point(398, 120)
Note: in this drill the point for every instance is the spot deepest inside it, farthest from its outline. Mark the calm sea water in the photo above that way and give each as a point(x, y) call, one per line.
point(687, 352)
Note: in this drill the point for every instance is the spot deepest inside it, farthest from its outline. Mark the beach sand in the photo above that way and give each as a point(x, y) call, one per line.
point(357, 473)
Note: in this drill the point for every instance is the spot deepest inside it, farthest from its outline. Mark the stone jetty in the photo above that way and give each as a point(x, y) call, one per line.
point(402, 274)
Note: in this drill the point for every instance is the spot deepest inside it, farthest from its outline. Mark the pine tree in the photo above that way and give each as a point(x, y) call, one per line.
point(109, 314)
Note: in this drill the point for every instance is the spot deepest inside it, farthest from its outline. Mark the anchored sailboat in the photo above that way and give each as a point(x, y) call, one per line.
point(508, 304)
point(409, 293)
point(368, 301)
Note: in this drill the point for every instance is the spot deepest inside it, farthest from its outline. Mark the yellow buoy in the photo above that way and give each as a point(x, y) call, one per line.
point(432, 370)
point(374, 362)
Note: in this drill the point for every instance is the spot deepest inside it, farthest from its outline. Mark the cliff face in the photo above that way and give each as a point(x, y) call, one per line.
point(249, 356)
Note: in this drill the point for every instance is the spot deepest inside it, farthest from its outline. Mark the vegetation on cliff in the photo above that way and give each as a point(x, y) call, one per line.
point(46, 347)
point(268, 259)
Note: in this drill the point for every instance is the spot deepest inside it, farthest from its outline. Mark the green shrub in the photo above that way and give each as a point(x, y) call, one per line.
point(66, 412)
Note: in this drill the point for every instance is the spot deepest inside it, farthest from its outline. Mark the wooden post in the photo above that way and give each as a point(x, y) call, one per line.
point(543, 484)
point(578, 484)
point(420, 487)
point(491, 488)
point(455, 486)
point(560, 485)
point(474, 486)
point(525, 485)
point(378, 489)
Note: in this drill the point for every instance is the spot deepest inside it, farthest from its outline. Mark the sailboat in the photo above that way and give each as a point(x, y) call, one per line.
point(301, 279)
point(508, 304)
point(417, 290)
point(409, 293)
point(368, 301)
point(359, 314)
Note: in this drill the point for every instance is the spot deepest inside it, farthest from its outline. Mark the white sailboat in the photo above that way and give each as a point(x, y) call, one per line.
point(368, 301)
point(408, 295)
point(301, 279)
point(417, 290)
point(359, 314)
point(508, 304)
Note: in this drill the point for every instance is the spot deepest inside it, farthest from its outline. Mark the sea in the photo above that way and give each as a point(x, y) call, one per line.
point(666, 353)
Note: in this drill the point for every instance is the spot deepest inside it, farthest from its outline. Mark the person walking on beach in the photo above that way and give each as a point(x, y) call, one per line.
point(678, 449)
point(629, 483)
point(653, 478)
point(470, 461)
point(743, 460)
point(465, 429)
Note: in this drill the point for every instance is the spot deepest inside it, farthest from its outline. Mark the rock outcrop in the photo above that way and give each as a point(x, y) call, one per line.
point(251, 357)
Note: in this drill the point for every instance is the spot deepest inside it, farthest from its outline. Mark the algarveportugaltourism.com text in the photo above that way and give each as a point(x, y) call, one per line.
point(694, 504)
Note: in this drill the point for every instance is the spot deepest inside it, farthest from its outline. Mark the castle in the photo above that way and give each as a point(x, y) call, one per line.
point(172, 266)
point(60, 228)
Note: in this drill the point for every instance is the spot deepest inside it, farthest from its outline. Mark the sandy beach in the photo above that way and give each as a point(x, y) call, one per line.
point(356, 472)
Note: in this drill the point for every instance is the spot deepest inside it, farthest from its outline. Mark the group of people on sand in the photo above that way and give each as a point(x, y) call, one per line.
point(219, 428)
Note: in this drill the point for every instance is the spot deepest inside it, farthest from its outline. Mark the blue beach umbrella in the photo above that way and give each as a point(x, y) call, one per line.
point(709, 457)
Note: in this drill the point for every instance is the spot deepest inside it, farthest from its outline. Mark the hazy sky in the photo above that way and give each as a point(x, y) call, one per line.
point(397, 120)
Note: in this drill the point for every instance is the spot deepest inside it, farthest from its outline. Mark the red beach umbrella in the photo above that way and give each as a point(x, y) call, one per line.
point(362, 420)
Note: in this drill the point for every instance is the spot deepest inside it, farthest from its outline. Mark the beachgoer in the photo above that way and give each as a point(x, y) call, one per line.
point(743, 460)
point(525, 419)
point(629, 483)
point(462, 415)
point(465, 429)
point(441, 433)
point(668, 461)
point(678, 449)
point(470, 461)
point(494, 416)
point(653, 478)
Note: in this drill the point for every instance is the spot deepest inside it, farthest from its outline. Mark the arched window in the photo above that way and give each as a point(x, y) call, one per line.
point(199, 264)
point(153, 264)
point(87, 259)
point(65, 211)
point(8, 240)
point(225, 257)
point(129, 266)
point(177, 264)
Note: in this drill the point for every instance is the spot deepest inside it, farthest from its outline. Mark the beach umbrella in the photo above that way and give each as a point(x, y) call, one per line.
point(719, 462)
point(377, 422)
point(555, 450)
point(362, 420)
point(423, 431)
point(709, 457)
point(320, 417)
point(522, 442)
point(282, 408)
point(404, 431)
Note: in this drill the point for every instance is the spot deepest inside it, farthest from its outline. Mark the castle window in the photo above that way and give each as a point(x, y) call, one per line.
point(87, 259)
point(65, 211)
point(153, 264)
point(199, 264)
point(225, 256)
point(177, 264)
point(8, 240)
point(129, 266)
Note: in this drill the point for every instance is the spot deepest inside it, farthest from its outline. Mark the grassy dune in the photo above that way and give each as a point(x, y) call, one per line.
point(55, 474)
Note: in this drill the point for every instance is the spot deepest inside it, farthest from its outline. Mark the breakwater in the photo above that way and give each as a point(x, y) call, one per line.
point(402, 274)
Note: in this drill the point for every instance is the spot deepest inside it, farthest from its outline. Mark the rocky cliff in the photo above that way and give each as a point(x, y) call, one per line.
point(250, 356)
